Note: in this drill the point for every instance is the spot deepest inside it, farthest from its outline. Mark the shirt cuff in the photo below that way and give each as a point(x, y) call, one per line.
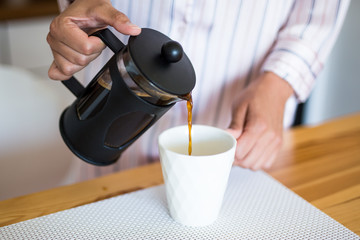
point(295, 62)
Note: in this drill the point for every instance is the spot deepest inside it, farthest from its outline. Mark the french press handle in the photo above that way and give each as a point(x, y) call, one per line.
point(110, 41)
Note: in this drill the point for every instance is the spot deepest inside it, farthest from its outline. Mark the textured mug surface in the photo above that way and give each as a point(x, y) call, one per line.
point(195, 184)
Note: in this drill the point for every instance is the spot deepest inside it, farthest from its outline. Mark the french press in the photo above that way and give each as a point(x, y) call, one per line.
point(140, 83)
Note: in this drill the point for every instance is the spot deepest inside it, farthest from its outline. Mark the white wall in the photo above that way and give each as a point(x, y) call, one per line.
point(337, 91)
point(4, 44)
point(33, 156)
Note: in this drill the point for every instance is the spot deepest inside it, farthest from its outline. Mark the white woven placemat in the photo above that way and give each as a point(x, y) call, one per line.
point(255, 207)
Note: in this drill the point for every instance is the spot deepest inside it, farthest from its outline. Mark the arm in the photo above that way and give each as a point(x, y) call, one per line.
point(296, 59)
point(304, 43)
point(68, 38)
point(257, 121)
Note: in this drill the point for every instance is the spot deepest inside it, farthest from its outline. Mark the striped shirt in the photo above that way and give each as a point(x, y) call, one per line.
point(229, 44)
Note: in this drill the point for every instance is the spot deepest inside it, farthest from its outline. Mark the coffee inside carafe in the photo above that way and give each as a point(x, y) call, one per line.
point(96, 94)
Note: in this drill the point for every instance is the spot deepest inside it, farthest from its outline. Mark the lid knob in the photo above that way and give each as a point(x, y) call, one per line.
point(172, 51)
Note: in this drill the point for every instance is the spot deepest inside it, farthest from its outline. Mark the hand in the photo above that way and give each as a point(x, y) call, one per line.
point(257, 121)
point(68, 38)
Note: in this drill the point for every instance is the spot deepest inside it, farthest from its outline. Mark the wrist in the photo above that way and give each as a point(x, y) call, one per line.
point(280, 87)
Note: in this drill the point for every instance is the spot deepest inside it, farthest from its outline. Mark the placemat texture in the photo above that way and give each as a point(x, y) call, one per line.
point(255, 206)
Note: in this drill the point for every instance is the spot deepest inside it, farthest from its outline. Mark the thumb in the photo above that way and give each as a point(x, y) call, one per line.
point(109, 15)
point(238, 121)
point(234, 132)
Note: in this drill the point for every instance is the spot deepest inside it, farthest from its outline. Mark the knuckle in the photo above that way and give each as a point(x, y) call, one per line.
point(55, 28)
point(238, 158)
point(55, 74)
point(245, 164)
point(51, 74)
point(120, 17)
point(48, 39)
point(67, 69)
point(275, 138)
point(81, 60)
point(254, 168)
point(87, 49)
point(54, 25)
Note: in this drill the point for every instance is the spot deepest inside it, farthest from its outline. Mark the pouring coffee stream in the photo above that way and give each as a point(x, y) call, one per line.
point(139, 84)
point(189, 104)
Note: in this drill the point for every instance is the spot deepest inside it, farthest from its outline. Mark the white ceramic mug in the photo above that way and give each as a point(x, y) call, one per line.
point(195, 184)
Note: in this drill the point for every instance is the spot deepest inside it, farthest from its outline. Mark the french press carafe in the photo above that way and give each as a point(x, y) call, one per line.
point(141, 82)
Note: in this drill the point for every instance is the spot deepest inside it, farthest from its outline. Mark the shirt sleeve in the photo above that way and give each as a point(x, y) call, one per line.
point(305, 41)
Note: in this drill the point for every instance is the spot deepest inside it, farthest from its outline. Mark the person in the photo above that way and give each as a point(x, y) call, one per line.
point(254, 62)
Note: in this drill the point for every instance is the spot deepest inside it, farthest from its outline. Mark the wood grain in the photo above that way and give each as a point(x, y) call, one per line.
point(322, 165)
point(319, 163)
point(58, 199)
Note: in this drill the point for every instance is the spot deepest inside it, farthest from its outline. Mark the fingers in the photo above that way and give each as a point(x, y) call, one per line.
point(269, 160)
point(261, 135)
point(56, 74)
point(68, 38)
point(258, 152)
point(67, 60)
point(264, 153)
point(65, 72)
point(237, 123)
point(252, 132)
point(118, 20)
point(62, 51)
point(66, 31)
point(72, 50)
point(258, 145)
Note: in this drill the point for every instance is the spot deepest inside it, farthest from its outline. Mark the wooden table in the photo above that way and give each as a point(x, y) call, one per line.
point(321, 164)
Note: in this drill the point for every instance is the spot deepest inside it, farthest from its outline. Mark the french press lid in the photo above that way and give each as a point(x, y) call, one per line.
point(162, 62)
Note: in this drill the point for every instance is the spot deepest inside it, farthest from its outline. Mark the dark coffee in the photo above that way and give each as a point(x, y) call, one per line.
point(189, 110)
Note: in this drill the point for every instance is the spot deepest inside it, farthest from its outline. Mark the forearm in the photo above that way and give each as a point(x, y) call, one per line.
point(277, 86)
point(304, 43)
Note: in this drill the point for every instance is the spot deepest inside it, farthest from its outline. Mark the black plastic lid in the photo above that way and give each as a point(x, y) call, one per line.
point(162, 61)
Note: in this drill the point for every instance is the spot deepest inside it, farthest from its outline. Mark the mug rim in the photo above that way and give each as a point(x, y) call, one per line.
point(212, 128)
